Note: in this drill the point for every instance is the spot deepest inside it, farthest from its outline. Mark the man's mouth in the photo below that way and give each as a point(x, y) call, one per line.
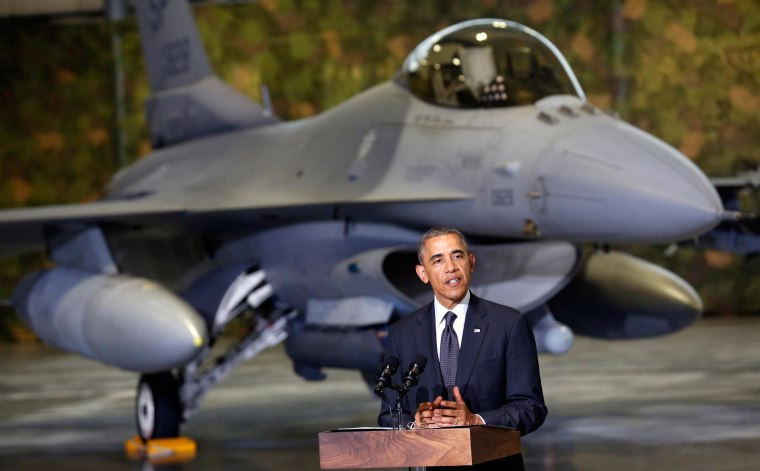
point(453, 281)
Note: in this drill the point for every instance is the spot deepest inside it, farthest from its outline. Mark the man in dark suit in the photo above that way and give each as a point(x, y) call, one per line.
point(490, 348)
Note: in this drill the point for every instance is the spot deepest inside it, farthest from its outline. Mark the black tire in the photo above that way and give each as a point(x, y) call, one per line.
point(158, 412)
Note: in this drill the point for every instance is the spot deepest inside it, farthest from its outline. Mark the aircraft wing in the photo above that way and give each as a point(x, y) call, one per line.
point(729, 187)
point(739, 232)
point(746, 180)
point(24, 228)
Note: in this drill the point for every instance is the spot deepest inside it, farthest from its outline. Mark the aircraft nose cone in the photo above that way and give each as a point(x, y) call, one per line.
point(611, 182)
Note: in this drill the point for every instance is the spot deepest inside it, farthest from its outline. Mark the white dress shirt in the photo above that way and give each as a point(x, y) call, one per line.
point(458, 325)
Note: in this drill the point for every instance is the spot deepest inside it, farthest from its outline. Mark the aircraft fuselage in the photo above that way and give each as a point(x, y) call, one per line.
point(559, 169)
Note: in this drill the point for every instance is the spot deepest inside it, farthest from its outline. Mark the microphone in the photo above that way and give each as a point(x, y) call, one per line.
point(412, 377)
point(383, 378)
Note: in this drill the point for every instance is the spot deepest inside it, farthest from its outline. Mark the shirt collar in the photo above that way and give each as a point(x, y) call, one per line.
point(460, 309)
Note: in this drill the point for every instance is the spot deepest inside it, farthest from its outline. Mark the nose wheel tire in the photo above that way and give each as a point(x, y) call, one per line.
point(157, 408)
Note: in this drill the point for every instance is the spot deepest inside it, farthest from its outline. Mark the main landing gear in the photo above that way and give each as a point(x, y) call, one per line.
point(158, 409)
point(165, 399)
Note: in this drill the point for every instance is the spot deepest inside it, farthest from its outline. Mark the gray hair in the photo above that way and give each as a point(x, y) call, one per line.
point(438, 231)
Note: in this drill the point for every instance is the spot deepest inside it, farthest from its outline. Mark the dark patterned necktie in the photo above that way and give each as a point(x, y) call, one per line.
point(449, 355)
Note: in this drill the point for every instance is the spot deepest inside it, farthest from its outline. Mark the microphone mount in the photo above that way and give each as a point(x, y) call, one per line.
point(410, 379)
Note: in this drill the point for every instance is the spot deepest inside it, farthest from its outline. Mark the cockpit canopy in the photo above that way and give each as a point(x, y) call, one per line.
point(488, 63)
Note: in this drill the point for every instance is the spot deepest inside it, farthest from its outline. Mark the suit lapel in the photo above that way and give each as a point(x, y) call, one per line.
point(426, 344)
point(475, 329)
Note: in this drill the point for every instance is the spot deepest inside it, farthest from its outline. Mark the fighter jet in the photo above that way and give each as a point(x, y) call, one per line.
point(308, 229)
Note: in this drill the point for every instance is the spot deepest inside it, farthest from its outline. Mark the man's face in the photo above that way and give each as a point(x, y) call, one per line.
point(447, 266)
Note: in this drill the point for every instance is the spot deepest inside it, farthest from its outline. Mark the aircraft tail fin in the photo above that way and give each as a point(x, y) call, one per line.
point(187, 99)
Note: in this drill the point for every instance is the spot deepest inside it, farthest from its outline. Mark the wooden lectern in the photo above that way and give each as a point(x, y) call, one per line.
point(384, 448)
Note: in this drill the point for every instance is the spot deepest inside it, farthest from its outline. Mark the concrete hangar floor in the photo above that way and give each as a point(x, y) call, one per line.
point(687, 401)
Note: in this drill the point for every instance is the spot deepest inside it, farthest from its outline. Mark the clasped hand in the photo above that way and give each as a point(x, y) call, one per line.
point(440, 413)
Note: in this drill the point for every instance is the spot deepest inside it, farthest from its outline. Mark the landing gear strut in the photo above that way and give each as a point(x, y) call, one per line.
point(164, 400)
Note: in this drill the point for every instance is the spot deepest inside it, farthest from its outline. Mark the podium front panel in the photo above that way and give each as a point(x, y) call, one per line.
point(380, 448)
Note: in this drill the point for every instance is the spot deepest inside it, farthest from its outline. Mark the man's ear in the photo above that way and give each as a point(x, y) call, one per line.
point(421, 273)
point(472, 261)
